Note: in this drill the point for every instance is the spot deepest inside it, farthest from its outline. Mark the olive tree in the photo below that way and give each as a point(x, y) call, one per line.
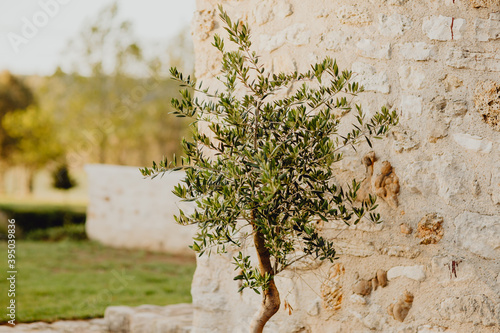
point(267, 164)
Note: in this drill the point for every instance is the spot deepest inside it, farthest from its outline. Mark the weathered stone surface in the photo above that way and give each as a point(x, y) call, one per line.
point(270, 43)
point(331, 289)
point(175, 318)
point(295, 34)
point(374, 319)
point(456, 108)
point(433, 178)
point(473, 142)
point(393, 25)
point(495, 188)
point(442, 175)
point(482, 61)
point(203, 23)
point(482, 3)
point(353, 15)
point(431, 329)
point(411, 78)
point(143, 322)
point(476, 309)
point(362, 287)
point(355, 248)
point(386, 184)
point(298, 35)
point(487, 29)
point(443, 27)
point(336, 40)
point(282, 9)
point(371, 49)
point(419, 51)
point(315, 307)
point(405, 229)
point(451, 269)
point(396, 2)
point(400, 309)
point(118, 318)
point(370, 79)
point(284, 63)
point(357, 299)
point(404, 140)
point(411, 106)
point(263, 13)
point(97, 325)
point(430, 229)
point(416, 273)
point(451, 82)
point(487, 101)
point(401, 251)
point(479, 234)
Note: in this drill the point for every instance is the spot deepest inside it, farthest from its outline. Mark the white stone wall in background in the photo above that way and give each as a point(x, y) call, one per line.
point(127, 211)
point(437, 62)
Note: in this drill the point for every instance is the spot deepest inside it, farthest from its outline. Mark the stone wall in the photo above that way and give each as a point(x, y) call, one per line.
point(127, 211)
point(438, 63)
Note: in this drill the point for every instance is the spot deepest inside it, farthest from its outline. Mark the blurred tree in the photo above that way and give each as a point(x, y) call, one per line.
point(118, 102)
point(14, 95)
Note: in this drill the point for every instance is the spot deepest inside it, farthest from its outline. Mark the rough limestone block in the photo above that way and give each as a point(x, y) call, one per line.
point(481, 61)
point(353, 15)
point(368, 77)
point(473, 142)
point(487, 101)
point(416, 273)
point(298, 35)
point(419, 51)
point(411, 78)
point(476, 309)
point(479, 234)
point(371, 49)
point(118, 318)
point(294, 34)
point(393, 25)
point(263, 12)
point(483, 3)
point(282, 9)
point(400, 251)
point(443, 27)
point(203, 24)
point(431, 329)
point(430, 228)
point(495, 188)
point(144, 322)
point(487, 29)
point(411, 107)
point(336, 40)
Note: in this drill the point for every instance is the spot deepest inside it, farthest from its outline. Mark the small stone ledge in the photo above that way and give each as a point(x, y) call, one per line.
point(175, 318)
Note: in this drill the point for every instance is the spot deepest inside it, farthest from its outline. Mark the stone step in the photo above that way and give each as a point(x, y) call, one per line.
point(176, 318)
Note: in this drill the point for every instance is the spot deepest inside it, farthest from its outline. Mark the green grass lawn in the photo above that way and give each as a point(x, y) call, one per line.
point(72, 280)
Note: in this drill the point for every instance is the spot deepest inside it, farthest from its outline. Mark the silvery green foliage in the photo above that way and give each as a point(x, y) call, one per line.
point(270, 164)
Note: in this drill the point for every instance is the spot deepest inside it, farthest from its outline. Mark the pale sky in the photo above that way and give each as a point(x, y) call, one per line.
point(155, 22)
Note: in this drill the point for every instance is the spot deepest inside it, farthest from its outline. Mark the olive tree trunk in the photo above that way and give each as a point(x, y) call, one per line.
point(270, 297)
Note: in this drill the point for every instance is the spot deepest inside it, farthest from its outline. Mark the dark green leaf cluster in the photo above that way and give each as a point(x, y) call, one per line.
point(268, 164)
